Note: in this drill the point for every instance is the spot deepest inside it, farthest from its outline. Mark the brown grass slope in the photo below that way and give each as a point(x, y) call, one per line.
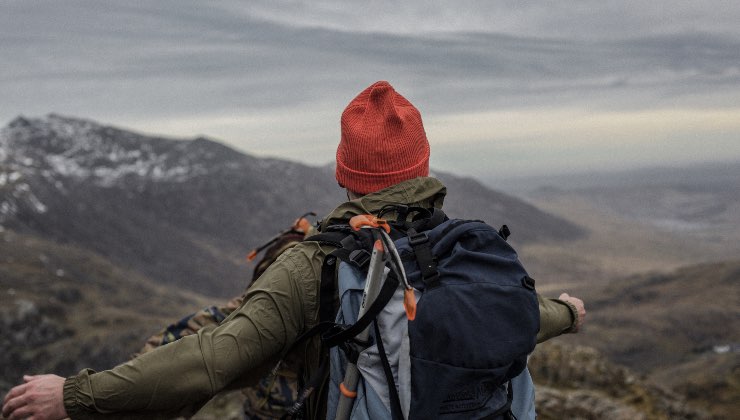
point(656, 320)
point(669, 325)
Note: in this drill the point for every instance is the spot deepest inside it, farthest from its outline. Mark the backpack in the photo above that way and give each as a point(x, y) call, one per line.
point(475, 320)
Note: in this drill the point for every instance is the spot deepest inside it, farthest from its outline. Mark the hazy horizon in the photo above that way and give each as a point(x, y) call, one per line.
point(505, 89)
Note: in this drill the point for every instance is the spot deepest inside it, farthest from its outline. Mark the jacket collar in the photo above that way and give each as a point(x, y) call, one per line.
point(423, 192)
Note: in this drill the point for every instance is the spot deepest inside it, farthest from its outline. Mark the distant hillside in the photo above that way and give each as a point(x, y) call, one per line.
point(712, 174)
point(185, 212)
point(702, 200)
point(682, 328)
point(468, 198)
point(682, 314)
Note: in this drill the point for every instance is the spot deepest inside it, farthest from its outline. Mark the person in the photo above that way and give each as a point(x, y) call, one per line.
point(382, 157)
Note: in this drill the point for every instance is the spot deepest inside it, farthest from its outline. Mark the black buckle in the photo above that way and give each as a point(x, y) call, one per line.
point(359, 257)
point(418, 239)
point(431, 279)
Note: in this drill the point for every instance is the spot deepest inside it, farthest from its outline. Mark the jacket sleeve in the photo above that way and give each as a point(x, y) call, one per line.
point(191, 370)
point(556, 317)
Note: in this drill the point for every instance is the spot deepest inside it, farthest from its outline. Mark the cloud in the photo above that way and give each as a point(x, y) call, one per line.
point(586, 20)
point(543, 141)
point(272, 77)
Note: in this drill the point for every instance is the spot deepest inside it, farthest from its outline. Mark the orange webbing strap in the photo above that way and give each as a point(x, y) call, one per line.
point(368, 220)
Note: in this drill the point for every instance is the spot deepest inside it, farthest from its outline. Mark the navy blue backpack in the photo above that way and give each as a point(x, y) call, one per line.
point(476, 319)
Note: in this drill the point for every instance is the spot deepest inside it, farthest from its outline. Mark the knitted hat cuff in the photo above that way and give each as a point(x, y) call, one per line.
point(366, 182)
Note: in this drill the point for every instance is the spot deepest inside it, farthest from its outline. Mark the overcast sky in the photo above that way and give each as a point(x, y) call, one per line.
point(505, 88)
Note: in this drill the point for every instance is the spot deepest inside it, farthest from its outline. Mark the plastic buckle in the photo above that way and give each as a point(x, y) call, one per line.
point(418, 239)
point(359, 257)
point(431, 279)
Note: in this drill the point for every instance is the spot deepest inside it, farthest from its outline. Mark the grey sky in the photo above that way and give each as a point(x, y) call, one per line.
point(504, 87)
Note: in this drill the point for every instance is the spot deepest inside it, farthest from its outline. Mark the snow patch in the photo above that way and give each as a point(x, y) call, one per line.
point(722, 349)
point(7, 208)
point(9, 177)
point(726, 348)
point(37, 205)
point(85, 150)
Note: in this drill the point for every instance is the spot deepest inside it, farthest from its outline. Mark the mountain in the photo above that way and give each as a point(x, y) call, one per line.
point(681, 328)
point(184, 212)
point(702, 200)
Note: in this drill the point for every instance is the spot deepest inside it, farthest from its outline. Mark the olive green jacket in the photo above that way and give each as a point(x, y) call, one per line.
point(178, 378)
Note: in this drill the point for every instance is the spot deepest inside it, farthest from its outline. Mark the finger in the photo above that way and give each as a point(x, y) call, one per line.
point(21, 413)
point(563, 296)
point(13, 405)
point(29, 378)
point(16, 391)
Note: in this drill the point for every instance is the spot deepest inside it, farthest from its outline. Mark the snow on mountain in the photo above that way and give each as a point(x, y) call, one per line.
point(62, 150)
point(164, 207)
point(82, 149)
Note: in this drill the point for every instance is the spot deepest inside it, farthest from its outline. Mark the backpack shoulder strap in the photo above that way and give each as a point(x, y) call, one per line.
point(350, 246)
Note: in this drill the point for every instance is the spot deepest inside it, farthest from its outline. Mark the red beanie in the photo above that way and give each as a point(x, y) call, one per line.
point(383, 141)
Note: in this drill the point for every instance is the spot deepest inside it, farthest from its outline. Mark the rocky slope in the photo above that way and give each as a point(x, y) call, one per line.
point(577, 382)
point(681, 329)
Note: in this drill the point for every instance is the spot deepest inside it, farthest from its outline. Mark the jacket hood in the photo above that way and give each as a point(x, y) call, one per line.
point(423, 192)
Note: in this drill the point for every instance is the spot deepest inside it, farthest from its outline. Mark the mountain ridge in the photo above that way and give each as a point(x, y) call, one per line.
point(167, 208)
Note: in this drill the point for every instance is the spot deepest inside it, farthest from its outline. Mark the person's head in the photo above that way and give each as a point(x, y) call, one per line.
point(383, 141)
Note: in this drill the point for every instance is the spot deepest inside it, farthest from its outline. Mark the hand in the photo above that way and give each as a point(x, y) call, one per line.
point(580, 311)
point(39, 398)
